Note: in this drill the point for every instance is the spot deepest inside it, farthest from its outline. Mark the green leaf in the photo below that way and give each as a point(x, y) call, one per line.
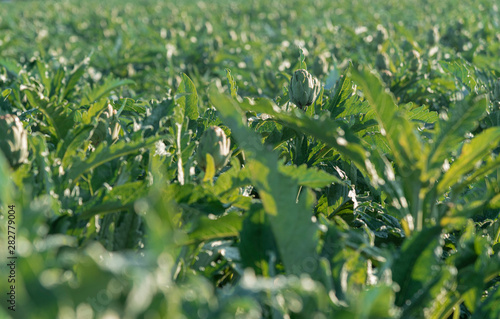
point(75, 75)
point(11, 65)
point(277, 191)
point(73, 141)
point(233, 88)
point(310, 177)
point(210, 168)
point(129, 105)
point(476, 150)
point(413, 266)
point(57, 83)
point(489, 307)
point(44, 76)
point(105, 153)
point(345, 211)
point(120, 198)
point(345, 101)
point(333, 133)
point(189, 99)
point(422, 114)
point(375, 302)
point(257, 241)
point(40, 150)
point(6, 93)
point(159, 113)
point(94, 110)
point(451, 130)
point(463, 72)
point(406, 148)
point(208, 229)
point(60, 118)
point(100, 91)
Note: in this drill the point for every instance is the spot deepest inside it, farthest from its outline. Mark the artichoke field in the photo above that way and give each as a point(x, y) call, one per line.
point(250, 159)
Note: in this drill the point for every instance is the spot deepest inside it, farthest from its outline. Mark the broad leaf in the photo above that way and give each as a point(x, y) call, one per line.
point(189, 99)
point(479, 148)
point(277, 191)
point(105, 153)
point(207, 229)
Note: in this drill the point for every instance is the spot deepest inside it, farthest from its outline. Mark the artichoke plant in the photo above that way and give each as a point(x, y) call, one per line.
point(214, 142)
point(14, 143)
point(304, 88)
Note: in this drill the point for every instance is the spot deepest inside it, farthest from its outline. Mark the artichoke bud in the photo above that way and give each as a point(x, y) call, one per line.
point(214, 142)
point(14, 143)
point(382, 61)
point(303, 89)
point(415, 61)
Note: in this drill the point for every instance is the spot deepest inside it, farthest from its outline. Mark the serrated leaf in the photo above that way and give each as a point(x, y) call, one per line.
point(257, 241)
point(120, 198)
point(57, 81)
point(462, 72)
point(405, 146)
point(189, 99)
point(233, 88)
point(310, 177)
point(489, 307)
point(345, 101)
point(101, 90)
point(60, 118)
point(449, 132)
point(44, 75)
point(40, 150)
point(333, 133)
point(208, 229)
point(378, 141)
point(160, 112)
point(128, 105)
point(93, 111)
point(477, 149)
point(413, 265)
point(422, 114)
point(74, 77)
point(105, 153)
point(74, 140)
point(277, 191)
point(345, 211)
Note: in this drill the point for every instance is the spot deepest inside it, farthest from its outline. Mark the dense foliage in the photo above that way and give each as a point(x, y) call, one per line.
point(380, 199)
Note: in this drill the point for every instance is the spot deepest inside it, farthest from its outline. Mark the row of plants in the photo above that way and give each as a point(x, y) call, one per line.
point(210, 168)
